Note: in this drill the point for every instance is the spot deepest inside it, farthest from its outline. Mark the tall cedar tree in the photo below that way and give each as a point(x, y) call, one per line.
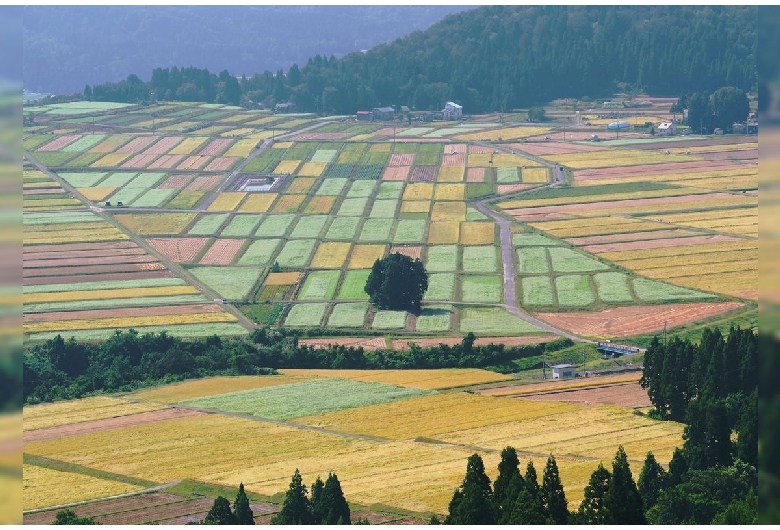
point(622, 500)
point(334, 505)
point(472, 502)
point(651, 482)
point(531, 480)
point(507, 485)
point(552, 494)
point(241, 509)
point(220, 513)
point(592, 510)
point(528, 509)
point(397, 282)
point(296, 508)
point(317, 507)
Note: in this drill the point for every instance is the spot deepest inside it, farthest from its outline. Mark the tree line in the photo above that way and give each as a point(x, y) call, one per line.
point(495, 58)
point(68, 369)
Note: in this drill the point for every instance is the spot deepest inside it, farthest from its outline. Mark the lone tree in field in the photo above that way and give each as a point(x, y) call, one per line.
point(397, 282)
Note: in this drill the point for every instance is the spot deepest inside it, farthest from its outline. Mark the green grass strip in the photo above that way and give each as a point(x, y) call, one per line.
point(353, 284)
point(574, 291)
point(208, 224)
point(67, 467)
point(348, 315)
point(306, 315)
point(319, 285)
point(93, 286)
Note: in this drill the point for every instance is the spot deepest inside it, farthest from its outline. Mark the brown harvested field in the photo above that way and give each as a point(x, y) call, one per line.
point(165, 162)
point(163, 145)
point(130, 503)
point(624, 395)
point(480, 150)
point(403, 344)
point(631, 236)
point(179, 249)
point(222, 252)
point(401, 159)
point(59, 143)
point(320, 136)
point(221, 163)
point(534, 217)
point(94, 269)
point(412, 252)
point(724, 140)
point(366, 343)
point(140, 275)
point(559, 385)
point(396, 173)
point(43, 191)
point(741, 154)
point(159, 514)
point(137, 144)
point(658, 243)
point(85, 253)
point(79, 262)
point(193, 162)
point(511, 188)
point(138, 161)
point(205, 182)
point(475, 174)
point(454, 159)
point(581, 136)
point(215, 147)
point(176, 182)
point(123, 312)
point(424, 174)
point(67, 247)
point(454, 148)
point(555, 148)
point(670, 168)
point(636, 320)
point(107, 424)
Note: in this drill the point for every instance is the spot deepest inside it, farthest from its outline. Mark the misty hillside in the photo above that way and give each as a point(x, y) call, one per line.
point(67, 47)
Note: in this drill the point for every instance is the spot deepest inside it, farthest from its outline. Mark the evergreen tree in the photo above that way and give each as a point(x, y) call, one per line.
point(552, 494)
point(472, 502)
point(530, 479)
point(622, 501)
point(220, 513)
point(507, 484)
point(334, 505)
point(528, 509)
point(651, 482)
point(678, 468)
point(70, 517)
point(241, 509)
point(397, 282)
point(592, 510)
point(747, 429)
point(296, 508)
point(318, 510)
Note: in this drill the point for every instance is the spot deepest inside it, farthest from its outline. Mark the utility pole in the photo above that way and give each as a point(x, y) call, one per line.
point(583, 358)
point(664, 334)
point(544, 372)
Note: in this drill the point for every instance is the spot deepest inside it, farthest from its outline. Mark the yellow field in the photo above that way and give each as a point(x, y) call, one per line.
point(733, 225)
point(287, 167)
point(449, 192)
point(662, 208)
point(128, 322)
point(415, 206)
point(448, 211)
point(364, 256)
point(477, 233)
point(382, 148)
point(282, 278)
point(237, 133)
point(633, 119)
point(53, 203)
point(616, 226)
point(617, 157)
point(742, 284)
point(48, 238)
point(83, 229)
point(155, 223)
point(289, 203)
point(673, 272)
point(451, 173)
point(559, 201)
point(104, 294)
point(241, 148)
point(568, 385)
point(425, 379)
point(277, 145)
point(655, 253)
point(188, 146)
point(96, 194)
point(260, 135)
point(535, 175)
point(510, 160)
point(178, 126)
point(443, 232)
point(312, 169)
point(509, 133)
point(264, 119)
point(227, 201)
point(716, 214)
point(111, 143)
point(76, 411)
point(690, 260)
point(330, 255)
point(212, 386)
point(715, 148)
point(670, 177)
point(746, 182)
point(319, 204)
point(110, 160)
point(258, 202)
point(46, 487)
point(418, 191)
point(301, 185)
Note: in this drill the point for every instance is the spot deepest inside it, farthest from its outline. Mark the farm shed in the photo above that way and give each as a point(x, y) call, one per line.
point(363, 115)
point(384, 113)
point(284, 107)
point(667, 128)
point(452, 111)
point(562, 371)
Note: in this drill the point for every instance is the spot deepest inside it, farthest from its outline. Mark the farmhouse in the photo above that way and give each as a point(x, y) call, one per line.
point(285, 107)
point(363, 115)
point(383, 113)
point(452, 111)
point(562, 371)
point(667, 129)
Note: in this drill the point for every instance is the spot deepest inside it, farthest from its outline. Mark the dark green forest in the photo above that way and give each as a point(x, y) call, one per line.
point(495, 58)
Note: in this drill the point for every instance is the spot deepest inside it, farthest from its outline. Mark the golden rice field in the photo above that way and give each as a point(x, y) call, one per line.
point(676, 271)
point(277, 145)
point(680, 176)
point(242, 148)
point(53, 203)
point(212, 386)
point(364, 256)
point(289, 203)
point(105, 294)
point(287, 167)
point(425, 379)
point(187, 146)
point(83, 228)
point(449, 192)
point(715, 148)
point(111, 143)
point(258, 202)
point(690, 260)
point(110, 160)
point(477, 233)
point(79, 410)
point(448, 211)
point(241, 131)
point(44, 487)
point(443, 232)
point(282, 278)
point(451, 173)
point(617, 157)
point(128, 322)
point(12, 499)
point(608, 225)
point(566, 385)
point(312, 169)
point(742, 284)
point(535, 175)
point(711, 215)
point(330, 255)
point(155, 223)
point(508, 133)
point(599, 197)
point(635, 119)
point(745, 182)
point(227, 201)
point(418, 191)
point(657, 253)
point(320, 204)
point(96, 194)
point(735, 225)
point(415, 206)
point(265, 119)
point(302, 185)
point(663, 208)
point(381, 148)
point(52, 238)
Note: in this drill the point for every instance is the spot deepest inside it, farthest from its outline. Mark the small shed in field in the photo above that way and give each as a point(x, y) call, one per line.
point(667, 128)
point(562, 371)
point(363, 115)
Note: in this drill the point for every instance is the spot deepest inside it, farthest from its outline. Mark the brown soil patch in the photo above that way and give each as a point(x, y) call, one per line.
point(480, 150)
point(402, 344)
point(658, 243)
point(222, 252)
point(43, 191)
point(91, 269)
point(78, 262)
point(633, 236)
point(136, 144)
point(165, 162)
point(510, 188)
point(555, 148)
point(103, 507)
point(107, 424)
point(454, 159)
point(175, 182)
point(669, 168)
point(136, 251)
point(725, 140)
point(558, 385)
point(31, 249)
point(396, 173)
point(221, 163)
point(454, 148)
point(742, 154)
point(623, 394)
point(401, 159)
point(139, 275)
point(533, 217)
point(366, 343)
point(122, 312)
point(204, 183)
point(321, 136)
point(636, 320)
point(179, 249)
point(163, 145)
point(138, 161)
point(412, 252)
point(475, 174)
point(197, 508)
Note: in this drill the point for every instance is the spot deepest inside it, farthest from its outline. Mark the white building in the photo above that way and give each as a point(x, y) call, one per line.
point(452, 111)
point(562, 371)
point(667, 128)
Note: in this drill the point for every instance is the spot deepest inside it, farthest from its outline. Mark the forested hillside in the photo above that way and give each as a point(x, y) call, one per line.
point(497, 58)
